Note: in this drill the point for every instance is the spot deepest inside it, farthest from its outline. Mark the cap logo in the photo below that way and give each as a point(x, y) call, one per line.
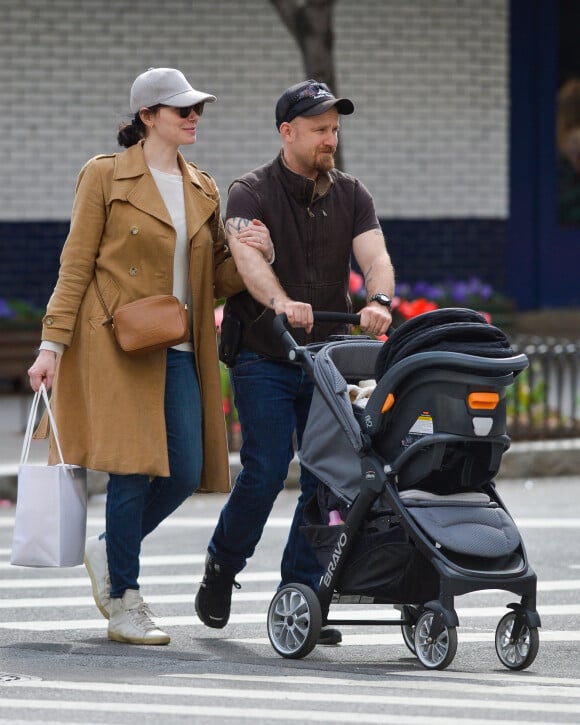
point(314, 90)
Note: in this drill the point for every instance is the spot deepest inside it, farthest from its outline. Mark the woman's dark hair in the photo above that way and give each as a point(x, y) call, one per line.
point(131, 133)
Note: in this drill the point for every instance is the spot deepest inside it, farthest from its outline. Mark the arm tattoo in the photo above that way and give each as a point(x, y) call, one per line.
point(368, 275)
point(233, 226)
point(272, 301)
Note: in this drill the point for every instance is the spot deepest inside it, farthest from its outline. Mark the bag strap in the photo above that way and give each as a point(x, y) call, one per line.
point(30, 425)
point(109, 320)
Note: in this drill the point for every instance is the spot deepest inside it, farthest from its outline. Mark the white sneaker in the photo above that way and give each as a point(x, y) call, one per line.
point(98, 570)
point(131, 622)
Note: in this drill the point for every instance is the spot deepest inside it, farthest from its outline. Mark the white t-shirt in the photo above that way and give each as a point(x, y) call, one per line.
point(171, 189)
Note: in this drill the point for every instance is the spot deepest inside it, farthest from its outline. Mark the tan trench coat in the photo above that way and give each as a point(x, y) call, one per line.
point(109, 407)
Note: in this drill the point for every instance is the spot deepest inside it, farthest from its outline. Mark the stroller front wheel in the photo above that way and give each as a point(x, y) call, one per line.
point(294, 621)
point(435, 644)
point(519, 653)
point(410, 613)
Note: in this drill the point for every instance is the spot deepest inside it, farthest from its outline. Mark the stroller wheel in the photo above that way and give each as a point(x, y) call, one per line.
point(294, 621)
point(435, 644)
point(412, 613)
point(519, 653)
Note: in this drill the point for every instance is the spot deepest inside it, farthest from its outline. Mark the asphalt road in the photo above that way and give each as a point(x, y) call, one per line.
point(57, 666)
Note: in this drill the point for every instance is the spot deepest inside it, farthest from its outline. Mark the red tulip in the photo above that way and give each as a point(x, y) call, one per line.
point(355, 283)
point(412, 308)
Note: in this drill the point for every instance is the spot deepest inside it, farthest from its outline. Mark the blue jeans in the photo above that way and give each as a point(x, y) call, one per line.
point(273, 400)
point(135, 504)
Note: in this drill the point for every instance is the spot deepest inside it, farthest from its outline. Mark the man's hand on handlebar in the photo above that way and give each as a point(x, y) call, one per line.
point(375, 319)
point(299, 314)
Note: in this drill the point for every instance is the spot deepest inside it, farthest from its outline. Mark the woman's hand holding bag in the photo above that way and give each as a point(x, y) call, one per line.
point(51, 506)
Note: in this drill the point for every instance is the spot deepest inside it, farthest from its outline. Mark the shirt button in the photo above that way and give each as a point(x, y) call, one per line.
point(134, 230)
point(49, 321)
point(133, 271)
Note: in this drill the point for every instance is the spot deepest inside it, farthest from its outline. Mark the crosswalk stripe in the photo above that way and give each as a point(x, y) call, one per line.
point(240, 712)
point(57, 602)
point(277, 522)
point(17, 721)
point(158, 560)
point(61, 582)
point(175, 598)
point(487, 677)
point(301, 696)
point(533, 685)
point(259, 617)
point(58, 579)
point(465, 637)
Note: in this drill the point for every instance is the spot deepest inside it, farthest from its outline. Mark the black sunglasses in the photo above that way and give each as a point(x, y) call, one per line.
point(185, 111)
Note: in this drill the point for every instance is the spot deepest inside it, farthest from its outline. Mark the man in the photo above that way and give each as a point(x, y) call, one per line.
point(316, 217)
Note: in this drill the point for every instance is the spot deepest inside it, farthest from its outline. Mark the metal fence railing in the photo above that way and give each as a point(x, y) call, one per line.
point(544, 401)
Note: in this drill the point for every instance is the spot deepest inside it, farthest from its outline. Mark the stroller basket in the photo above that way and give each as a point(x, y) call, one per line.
point(383, 563)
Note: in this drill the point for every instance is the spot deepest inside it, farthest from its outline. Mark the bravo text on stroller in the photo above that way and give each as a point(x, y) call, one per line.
point(336, 554)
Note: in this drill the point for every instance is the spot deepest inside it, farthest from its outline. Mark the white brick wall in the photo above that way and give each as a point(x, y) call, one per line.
point(428, 77)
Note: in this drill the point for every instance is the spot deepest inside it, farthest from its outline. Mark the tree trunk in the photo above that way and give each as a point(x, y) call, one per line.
point(310, 22)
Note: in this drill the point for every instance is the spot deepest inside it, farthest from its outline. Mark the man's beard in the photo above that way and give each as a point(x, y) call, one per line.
point(324, 163)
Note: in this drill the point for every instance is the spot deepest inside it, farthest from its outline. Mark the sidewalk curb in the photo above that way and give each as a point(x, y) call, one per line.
point(536, 459)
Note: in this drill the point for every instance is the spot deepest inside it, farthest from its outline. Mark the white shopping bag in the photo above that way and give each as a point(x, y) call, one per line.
point(51, 506)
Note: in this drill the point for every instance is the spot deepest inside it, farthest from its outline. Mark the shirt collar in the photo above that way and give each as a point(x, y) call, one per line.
point(305, 189)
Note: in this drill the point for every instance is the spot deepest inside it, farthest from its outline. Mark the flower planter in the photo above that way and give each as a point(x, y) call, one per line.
point(18, 346)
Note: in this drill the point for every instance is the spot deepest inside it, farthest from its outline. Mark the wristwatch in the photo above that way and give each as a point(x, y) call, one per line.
point(382, 299)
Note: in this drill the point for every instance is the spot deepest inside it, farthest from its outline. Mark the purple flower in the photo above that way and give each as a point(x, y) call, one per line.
point(450, 293)
point(460, 292)
point(480, 289)
point(427, 290)
point(403, 290)
point(6, 312)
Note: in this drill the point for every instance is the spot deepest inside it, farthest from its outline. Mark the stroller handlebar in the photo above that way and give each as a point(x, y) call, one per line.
point(280, 324)
point(349, 318)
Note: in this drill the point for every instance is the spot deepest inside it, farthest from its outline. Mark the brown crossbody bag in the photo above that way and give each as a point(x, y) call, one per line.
point(148, 324)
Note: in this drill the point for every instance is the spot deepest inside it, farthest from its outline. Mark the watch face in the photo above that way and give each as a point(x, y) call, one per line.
point(382, 299)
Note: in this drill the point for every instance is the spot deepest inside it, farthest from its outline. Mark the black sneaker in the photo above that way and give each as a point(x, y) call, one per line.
point(328, 635)
point(214, 597)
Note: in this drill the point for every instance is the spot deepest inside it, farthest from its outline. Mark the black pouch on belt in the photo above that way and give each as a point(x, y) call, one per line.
point(231, 336)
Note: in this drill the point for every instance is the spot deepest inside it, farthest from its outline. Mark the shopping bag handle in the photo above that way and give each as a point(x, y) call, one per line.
point(41, 392)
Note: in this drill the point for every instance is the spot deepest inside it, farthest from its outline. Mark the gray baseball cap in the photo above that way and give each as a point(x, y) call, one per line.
point(167, 86)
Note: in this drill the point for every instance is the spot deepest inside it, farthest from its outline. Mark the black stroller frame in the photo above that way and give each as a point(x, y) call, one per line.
point(385, 477)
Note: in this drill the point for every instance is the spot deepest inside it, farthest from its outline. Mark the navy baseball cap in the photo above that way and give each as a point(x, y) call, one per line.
point(309, 98)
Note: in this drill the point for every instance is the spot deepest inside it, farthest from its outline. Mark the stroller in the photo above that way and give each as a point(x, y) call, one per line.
point(407, 512)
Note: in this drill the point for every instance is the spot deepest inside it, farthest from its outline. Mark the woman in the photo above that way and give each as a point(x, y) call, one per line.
point(144, 222)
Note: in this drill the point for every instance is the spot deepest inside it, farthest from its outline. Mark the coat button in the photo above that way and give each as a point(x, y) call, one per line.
point(49, 321)
point(134, 230)
point(133, 271)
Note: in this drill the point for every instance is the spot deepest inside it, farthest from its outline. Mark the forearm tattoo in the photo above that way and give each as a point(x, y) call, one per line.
point(368, 275)
point(235, 225)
